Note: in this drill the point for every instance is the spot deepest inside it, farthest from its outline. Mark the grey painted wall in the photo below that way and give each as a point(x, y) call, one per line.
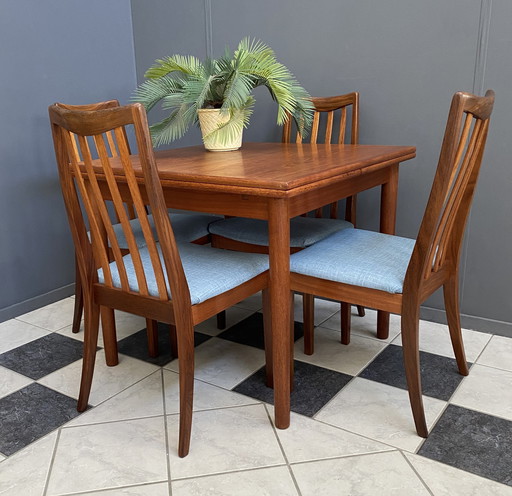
point(56, 50)
point(406, 58)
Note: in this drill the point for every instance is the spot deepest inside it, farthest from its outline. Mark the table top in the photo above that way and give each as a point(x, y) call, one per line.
point(273, 166)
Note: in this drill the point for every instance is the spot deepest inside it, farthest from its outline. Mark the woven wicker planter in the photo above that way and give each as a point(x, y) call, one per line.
point(209, 120)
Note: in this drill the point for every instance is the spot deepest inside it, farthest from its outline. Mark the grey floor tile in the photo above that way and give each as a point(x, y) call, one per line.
point(136, 345)
point(250, 331)
point(313, 387)
point(42, 356)
point(439, 374)
point(30, 413)
point(472, 441)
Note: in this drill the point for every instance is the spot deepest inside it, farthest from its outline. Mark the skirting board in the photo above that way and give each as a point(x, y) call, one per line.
point(37, 302)
point(481, 324)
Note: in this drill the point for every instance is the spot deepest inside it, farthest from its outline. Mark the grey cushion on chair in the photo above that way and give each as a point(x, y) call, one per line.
point(357, 257)
point(209, 271)
point(304, 231)
point(186, 227)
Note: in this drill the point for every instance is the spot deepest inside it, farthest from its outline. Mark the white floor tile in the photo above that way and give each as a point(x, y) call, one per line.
point(107, 381)
point(324, 309)
point(444, 480)
point(126, 325)
point(51, 317)
point(206, 396)
point(109, 455)
point(385, 474)
point(275, 481)
point(307, 439)
point(14, 333)
point(331, 354)
point(365, 326)
point(435, 338)
point(498, 353)
point(233, 316)
point(161, 489)
point(224, 363)
point(11, 381)
point(225, 440)
point(143, 399)
point(24, 473)
point(380, 412)
point(487, 390)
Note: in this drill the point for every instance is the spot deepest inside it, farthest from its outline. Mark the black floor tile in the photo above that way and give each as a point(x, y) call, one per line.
point(439, 375)
point(472, 441)
point(313, 387)
point(250, 331)
point(30, 413)
point(136, 345)
point(42, 356)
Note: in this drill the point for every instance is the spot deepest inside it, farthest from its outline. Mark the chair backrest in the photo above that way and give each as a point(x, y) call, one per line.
point(98, 177)
point(340, 112)
point(110, 140)
point(440, 235)
point(332, 118)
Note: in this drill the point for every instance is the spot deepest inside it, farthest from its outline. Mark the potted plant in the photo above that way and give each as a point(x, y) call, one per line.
point(217, 94)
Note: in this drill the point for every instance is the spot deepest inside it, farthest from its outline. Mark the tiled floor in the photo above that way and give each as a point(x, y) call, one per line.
point(351, 431)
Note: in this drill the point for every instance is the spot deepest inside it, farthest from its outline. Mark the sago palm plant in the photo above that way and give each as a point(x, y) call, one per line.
point(184, 84)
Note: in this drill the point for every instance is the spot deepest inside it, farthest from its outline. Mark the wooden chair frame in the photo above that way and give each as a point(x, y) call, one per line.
point(92, 182)
point(435, 258)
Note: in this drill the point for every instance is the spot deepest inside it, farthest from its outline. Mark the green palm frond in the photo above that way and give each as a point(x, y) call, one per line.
point(176, 63)
point(184, 84)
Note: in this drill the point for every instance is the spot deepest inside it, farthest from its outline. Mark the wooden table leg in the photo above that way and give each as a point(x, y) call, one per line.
point(388, 203)
point(279, 255)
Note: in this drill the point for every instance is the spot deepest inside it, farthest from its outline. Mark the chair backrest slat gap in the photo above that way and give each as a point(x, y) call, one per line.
point(343, 126)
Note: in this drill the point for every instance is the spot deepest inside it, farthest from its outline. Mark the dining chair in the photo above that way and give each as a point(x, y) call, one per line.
point(187, 227)
point(167, 281)
point(397, 274)
point(332, 119)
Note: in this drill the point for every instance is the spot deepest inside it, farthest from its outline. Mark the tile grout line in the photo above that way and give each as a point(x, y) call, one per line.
point(166, 433)
point(416, 472)
point(50, 467)
point(288, 464)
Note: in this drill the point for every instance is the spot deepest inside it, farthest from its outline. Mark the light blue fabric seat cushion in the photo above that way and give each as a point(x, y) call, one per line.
point(304, 231)
point(357, 257)
point(186, 227)
point(209, 271)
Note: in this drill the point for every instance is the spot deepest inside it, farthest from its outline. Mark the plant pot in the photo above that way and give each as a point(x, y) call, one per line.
point(209, 121)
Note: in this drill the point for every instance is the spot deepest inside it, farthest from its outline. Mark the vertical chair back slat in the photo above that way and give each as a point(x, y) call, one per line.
point(81, 182)
point(440, 234)
point(331, 106)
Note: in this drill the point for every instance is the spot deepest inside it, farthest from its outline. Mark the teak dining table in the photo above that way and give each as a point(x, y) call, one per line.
point(277, 181)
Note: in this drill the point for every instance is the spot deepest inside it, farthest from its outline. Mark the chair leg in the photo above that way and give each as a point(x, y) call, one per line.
point(360, 311)
point(79, 301)
point(152, 333)
point(451, 303)
point(308, 312)
point(345, 322)
point(410, 349)
point(267, 331)
point(221, 320)
point(92, 323)
point(185, 337)
point(174, 341)
point(108, 327)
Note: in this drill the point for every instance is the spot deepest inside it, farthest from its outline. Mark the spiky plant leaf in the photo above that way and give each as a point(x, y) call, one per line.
point(184, 84)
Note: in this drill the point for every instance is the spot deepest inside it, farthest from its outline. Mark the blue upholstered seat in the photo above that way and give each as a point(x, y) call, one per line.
point(304, 231)
point(209, 271)
point(186, 227)
point(357, 257)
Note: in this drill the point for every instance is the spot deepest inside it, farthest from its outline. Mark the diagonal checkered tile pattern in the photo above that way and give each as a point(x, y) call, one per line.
point(350, 412)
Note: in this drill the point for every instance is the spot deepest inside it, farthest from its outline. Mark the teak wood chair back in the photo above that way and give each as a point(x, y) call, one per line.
point(333, 118)
point(142, 281)
point(422, 266)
